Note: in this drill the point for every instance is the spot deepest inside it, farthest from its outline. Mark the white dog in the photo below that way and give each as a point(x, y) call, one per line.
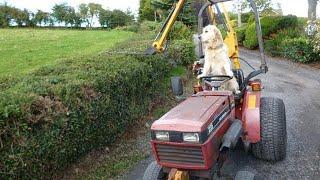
point(217, 61)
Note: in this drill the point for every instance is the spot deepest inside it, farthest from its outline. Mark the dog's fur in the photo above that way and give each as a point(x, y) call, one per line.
point(217, 61)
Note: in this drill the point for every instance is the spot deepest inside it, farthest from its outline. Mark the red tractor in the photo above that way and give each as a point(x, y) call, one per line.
point(191, 140)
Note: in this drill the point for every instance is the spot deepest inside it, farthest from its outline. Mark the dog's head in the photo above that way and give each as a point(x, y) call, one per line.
point(211, 37)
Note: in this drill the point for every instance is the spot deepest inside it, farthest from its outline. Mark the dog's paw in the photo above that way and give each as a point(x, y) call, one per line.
point(237, 92)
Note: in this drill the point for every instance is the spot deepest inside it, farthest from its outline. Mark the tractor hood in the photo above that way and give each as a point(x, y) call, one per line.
point(192, 115)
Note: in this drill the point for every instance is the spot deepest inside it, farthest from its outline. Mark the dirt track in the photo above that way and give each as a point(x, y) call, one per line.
point(299, 87)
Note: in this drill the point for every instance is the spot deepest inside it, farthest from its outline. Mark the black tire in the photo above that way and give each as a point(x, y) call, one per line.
point(273, 143)
point(154, 172)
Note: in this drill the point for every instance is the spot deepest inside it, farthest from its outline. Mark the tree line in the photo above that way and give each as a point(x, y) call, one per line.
point(158, 9)
point(65, 15)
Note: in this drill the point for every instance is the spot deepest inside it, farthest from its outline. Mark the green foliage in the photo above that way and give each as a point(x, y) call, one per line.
point(41, 17)
point(262, 5)
point(147, 27)
point(63, 13)
point(241, 33)
point(180, 31)
point(182, 52)
point(146, 11)
point(59, 12)
point(269, 25)
point(5, 15)
point(275, 46)
point(188, 15)
point(316, 42)
point(61, 113)
point(300, 50)
point(245, 17)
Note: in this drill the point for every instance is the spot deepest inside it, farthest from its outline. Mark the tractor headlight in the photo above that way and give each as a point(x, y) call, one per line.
point(162, 136)
point(191, 137)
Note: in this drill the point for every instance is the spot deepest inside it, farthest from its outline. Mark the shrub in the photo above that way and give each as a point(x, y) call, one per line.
point(245, 17)
point(316, 42)
point(289, 21)
point(180, 31)
point(274, 46)
point(241, 34)
point(269, 25)
point(300, 50)
point(147, 27)
point(132, 28)
point(60, 113)
point(182, 52)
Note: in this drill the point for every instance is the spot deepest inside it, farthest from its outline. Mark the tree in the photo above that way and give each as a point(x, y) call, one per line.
point(94, 10)
point(262, 5)
point(70, 17)
point(41, 17)
point(84, 13)
point(17, 15)
point(105, 18)
point(59, 12)
point(189, 13)
point(312, 10)
point(146, 11)
point(5, 15)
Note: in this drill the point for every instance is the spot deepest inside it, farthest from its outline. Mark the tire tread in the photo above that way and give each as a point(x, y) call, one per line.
point(272, 146)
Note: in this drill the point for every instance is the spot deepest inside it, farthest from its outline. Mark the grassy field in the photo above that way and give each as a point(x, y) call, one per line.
point(24, 50)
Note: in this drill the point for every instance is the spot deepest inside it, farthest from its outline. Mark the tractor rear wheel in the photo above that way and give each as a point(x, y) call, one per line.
point(154, 172)
point(273, 143)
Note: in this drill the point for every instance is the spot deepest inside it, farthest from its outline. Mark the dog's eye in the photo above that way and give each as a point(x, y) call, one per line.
point(206, 31)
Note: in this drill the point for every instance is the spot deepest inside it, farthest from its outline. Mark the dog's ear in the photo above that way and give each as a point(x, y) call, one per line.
point(218, 35)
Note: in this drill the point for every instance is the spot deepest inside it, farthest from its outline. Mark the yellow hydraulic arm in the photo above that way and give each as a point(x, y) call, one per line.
point(158, 45)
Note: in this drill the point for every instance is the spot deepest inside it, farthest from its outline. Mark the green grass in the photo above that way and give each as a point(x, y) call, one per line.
point(24, 50)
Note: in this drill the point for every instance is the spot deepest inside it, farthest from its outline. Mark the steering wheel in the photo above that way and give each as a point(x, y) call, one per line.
point(216, 81)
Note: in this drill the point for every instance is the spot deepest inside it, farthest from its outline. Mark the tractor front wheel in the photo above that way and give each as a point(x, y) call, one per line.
point(273, 143)
point(154, 172)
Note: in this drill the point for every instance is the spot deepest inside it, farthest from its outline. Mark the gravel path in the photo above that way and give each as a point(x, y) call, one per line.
point(299, 87)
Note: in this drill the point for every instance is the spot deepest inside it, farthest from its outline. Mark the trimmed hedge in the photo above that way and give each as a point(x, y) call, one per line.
point(60, 113)
point(182, 52)
point(269, 25)
point(57, 114)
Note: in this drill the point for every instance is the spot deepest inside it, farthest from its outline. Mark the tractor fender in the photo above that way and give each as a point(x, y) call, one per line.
point(251, 116)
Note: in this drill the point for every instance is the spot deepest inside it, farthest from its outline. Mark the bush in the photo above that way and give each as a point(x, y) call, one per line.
point(60, 113)
point(132, 28)
point(316, 42)
point(245, 17)
point(241, 34)
point(300, 50)
point(274, 46)
point(269, 25)
point(182, 52)
point(180, 31)
point(148, 27)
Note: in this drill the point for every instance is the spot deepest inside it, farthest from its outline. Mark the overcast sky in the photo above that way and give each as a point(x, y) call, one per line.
point(296, 7)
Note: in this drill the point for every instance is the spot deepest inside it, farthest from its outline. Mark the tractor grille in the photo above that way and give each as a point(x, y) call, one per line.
point(180, 155)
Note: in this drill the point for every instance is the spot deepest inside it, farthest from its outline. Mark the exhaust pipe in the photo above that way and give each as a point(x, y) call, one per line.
point(230, 139)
